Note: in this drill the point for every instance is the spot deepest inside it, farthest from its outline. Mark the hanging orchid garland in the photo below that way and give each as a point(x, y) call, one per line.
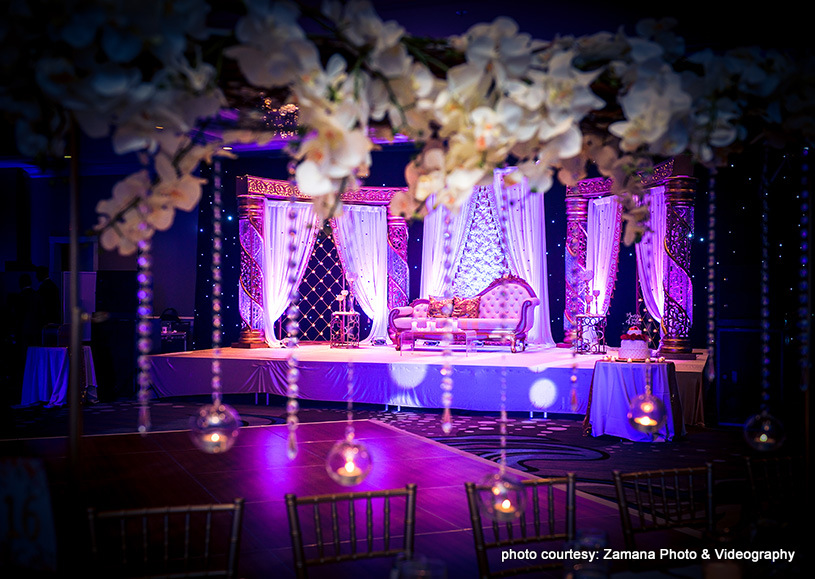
point(153, 74)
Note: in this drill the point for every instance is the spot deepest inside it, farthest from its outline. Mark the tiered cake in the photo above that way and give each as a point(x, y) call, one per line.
point(634, 345)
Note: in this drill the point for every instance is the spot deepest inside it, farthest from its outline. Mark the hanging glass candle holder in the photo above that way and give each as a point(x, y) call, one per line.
point(647, 413)
point(502, 496)
point(215, 428)
point(764, 432)
point(349, 462)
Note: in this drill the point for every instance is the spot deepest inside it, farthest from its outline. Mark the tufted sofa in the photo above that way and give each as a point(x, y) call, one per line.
point(502, 312)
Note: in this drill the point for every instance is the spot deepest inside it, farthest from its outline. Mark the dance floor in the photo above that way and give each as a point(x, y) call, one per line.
point(538, 380)
point(161, 468)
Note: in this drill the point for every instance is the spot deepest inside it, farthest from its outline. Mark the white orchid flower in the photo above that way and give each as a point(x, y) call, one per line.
point(182, 191)
point(122, 223)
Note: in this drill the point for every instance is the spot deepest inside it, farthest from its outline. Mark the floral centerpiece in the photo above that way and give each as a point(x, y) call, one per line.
point(179, 81)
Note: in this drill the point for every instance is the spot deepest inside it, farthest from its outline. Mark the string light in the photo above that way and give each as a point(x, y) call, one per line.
point(349, 461)
point(804, 272)
point(711, 278)
point(217, 425)
point(573, 400)
point(447, 339)
point(502, 496)
point(145, 312)
point(292, 330)
point(763, 431)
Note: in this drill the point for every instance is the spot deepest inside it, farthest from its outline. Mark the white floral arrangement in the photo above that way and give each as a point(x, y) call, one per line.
point(159, 79)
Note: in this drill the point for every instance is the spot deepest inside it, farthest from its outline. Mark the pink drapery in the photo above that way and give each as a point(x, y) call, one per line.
point(361, 234)
point(602, 251)
point(284, 224)
point(434, 273)
point(526, 246)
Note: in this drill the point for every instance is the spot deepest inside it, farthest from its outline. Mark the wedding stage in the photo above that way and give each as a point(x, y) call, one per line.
point(538, 380)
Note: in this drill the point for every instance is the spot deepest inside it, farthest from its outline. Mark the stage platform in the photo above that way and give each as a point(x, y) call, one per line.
point(538, 380)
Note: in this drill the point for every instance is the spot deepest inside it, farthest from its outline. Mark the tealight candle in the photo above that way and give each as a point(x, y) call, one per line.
point(349, 470)
point(504, 506)
point(348, 462)
point(215, 442)
point(646, 421)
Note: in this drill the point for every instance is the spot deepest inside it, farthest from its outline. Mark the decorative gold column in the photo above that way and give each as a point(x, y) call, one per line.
point(577, 218)
point(250, 293)
point(577, 213)
point(677, 318)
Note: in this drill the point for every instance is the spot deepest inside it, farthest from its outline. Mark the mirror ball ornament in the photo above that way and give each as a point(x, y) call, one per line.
point(764, 432)
point(215, 427)
point(647, 413)
point(348, 462)
point(502, 496)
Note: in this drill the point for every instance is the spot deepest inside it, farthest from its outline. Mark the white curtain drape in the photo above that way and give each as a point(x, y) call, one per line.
point(651, 255)
point(602, 251)
point(361, 238)
point(279, 218)
point(433, 238)
point(526, 247)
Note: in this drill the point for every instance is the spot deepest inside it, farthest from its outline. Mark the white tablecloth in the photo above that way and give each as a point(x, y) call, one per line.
point(615, 384)
point(46, 376)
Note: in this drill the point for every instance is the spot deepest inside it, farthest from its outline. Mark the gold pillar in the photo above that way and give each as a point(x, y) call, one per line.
point(677, 318)
point(250, 296)
point(398, 271)
point(577, 214)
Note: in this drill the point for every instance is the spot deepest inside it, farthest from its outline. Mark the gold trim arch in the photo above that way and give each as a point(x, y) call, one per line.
point(676, 176)
point(252, 192)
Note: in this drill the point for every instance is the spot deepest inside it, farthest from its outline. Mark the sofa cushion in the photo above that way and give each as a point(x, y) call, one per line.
point(466, 307)
point(439, 307)
point(482, 325)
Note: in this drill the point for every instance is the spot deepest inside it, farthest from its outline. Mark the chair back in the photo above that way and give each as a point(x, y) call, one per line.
point(659, 500)
point(350, 526)
point(539, 524)
point(174, 541)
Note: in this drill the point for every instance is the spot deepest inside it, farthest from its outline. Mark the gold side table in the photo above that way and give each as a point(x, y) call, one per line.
point(590, 337)
point(345, 330)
